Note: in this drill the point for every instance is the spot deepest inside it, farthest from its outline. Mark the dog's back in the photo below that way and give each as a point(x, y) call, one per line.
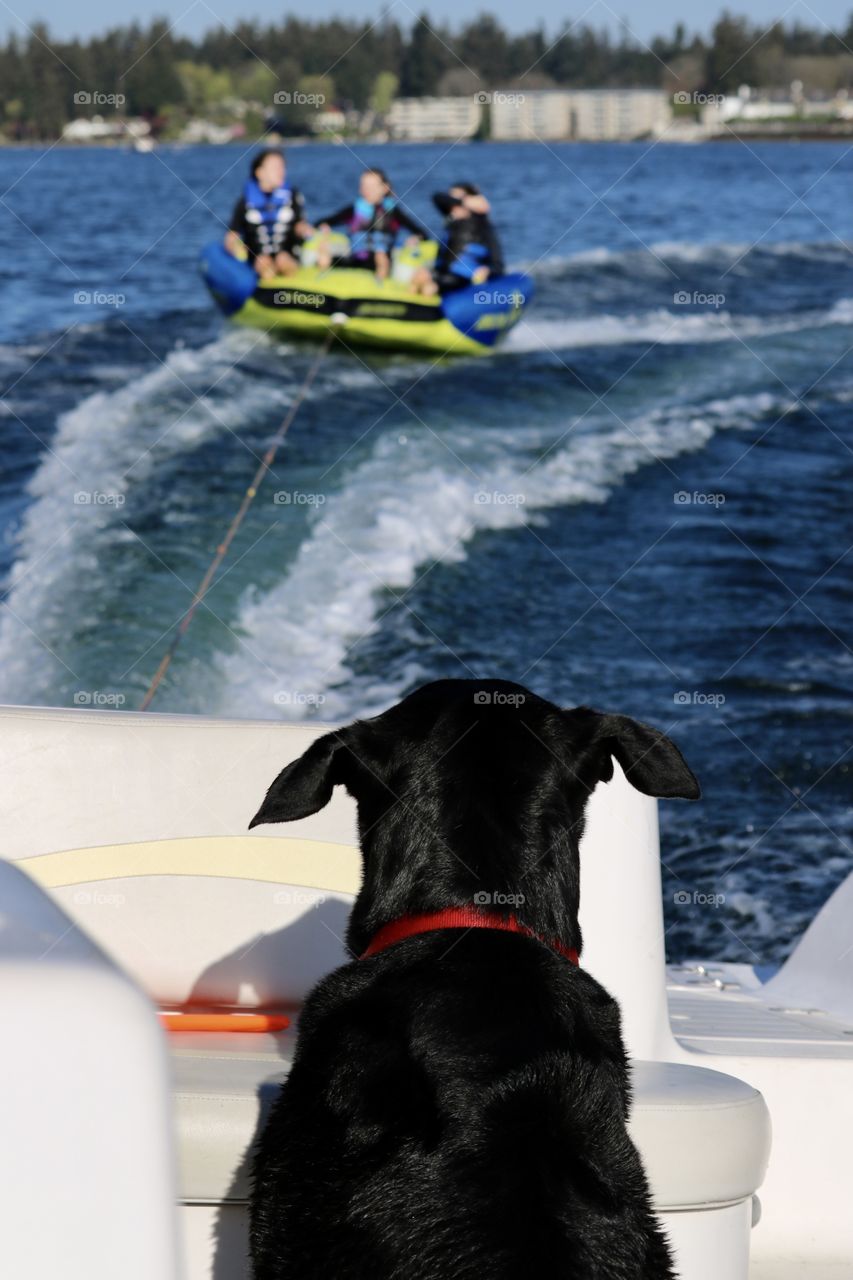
point(457, 1106)
point(456, 1109)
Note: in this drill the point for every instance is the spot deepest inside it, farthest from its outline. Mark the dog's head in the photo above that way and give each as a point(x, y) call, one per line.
point(469, 788)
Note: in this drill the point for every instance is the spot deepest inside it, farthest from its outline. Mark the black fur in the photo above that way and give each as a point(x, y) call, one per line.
point(456, 1108)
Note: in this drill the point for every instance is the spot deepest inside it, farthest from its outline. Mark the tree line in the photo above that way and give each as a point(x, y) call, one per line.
point(153, 71)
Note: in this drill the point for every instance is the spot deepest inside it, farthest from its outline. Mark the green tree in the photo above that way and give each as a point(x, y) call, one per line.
point(150, 76)
point(298, 108)
point(202, 89)
point(255, 63)
point(48, 84)
point(384, 92)
point(731, 62)
point(483, 44)
point(424, 62)
point(255, 82)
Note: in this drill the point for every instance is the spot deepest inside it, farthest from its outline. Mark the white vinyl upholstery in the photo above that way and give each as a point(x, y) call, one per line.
point(210, 941)
point(87, 1174)
point(74, 778)
point(97, 778)
point(137, 826)
point(704, 1136)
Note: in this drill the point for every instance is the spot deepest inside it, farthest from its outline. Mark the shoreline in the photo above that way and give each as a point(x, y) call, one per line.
point(731, 135)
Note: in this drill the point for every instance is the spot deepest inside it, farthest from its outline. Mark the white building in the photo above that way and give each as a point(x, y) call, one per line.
point(545, 114)
point(425, 119)
point(762, 107)
point(593, 115)
point(332, 121)
point(208, 132)
point(97, 129)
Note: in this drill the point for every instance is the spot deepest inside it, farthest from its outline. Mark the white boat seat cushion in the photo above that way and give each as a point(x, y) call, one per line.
point(137, 801)
point(241, 921)
point(704, 1136)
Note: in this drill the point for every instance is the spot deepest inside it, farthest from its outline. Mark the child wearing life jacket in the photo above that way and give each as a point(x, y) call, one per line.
point(269, 218)
point(470, 251)
point(373, 222)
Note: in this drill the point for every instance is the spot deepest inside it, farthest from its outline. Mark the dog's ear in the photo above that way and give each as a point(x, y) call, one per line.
point(650, 760)
point(306, 784)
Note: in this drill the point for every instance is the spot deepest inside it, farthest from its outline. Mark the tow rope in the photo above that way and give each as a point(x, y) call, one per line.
point(248, 498)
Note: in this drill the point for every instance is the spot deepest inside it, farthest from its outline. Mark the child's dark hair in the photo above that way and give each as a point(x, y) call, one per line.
point(258, 160)
point(380, 174)
point(469, 188)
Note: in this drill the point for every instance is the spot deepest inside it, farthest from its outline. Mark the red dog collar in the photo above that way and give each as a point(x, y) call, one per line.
point(457, 918)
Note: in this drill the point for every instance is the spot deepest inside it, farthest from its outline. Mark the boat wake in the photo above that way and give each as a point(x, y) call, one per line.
point(419, 500)
point(666, 326)
point(108, 450)
point(93, 588)
point(694, 294)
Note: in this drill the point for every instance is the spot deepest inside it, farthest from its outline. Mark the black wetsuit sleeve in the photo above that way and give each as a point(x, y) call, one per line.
point(238, 217)
point(335, 219)
point(298, 203)
point(493, 244)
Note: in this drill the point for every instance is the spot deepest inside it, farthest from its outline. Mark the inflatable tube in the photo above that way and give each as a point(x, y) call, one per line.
point(364, 310)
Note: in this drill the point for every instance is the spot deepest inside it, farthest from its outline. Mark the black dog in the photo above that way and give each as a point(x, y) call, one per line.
point(456, 1108)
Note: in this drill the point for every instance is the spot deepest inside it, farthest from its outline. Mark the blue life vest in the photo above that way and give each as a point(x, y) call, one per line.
point(371, 227)
point(472, 257)
point(271, 212)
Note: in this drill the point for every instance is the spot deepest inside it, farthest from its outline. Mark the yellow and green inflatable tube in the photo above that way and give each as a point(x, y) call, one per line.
point(365, 311)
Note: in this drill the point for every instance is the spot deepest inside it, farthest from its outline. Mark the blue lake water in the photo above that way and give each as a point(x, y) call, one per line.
point(642, 503)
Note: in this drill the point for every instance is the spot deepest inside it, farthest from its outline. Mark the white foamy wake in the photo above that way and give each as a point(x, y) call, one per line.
point(654, 259)
point(102, 450)
point(667, 327)
point(416, 501)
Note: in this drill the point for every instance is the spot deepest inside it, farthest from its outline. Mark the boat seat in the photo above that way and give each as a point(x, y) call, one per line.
point(704, 1136)
point(144, 847)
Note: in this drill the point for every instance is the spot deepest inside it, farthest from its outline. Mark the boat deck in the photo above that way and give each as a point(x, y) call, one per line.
point(722, 1017)
point(719, 1009)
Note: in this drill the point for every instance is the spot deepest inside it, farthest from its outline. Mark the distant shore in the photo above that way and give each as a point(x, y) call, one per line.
point(772, 131)
point(786, 131)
